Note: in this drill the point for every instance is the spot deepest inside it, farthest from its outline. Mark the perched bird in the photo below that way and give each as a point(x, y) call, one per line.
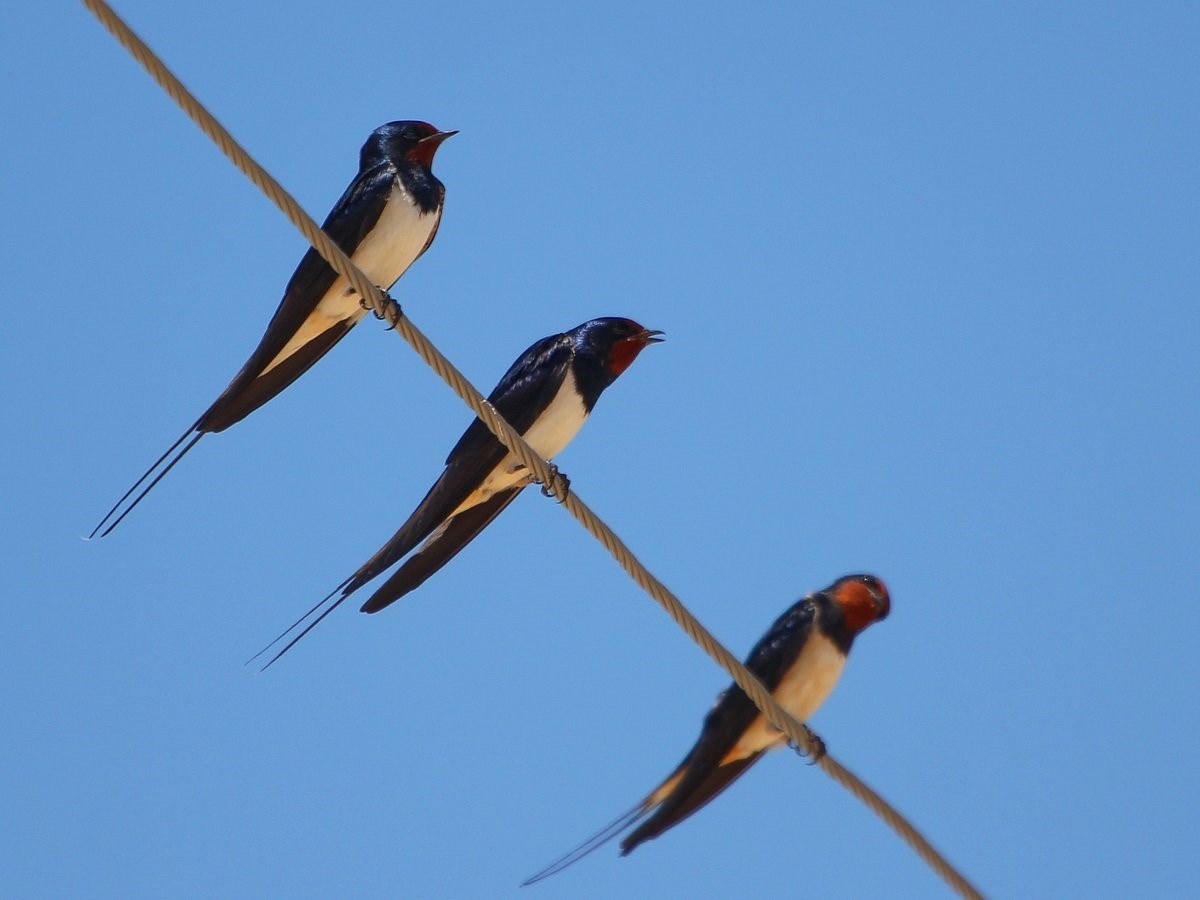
point(799, 660)
point(387, 217)
point(546, 395)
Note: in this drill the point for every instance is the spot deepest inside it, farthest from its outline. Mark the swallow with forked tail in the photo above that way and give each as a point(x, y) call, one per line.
point(387, 217)
point(546, 395)
point(799, 660)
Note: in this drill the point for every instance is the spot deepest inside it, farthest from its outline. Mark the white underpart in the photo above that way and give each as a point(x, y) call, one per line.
point(552, 431)
point(391, 247)
point(804, 688)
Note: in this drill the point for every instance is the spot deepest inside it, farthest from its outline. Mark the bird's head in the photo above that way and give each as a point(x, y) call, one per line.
point(863, 599)
point(615, 342)
point(410, 141)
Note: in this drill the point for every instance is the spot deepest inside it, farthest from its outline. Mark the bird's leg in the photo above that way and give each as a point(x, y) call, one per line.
point(556, 477)
point(388, 300)
point(818, 747)
point(391, 303)
point(362, 302)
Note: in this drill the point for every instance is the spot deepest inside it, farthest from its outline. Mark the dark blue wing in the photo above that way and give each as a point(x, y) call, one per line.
point(352, 218)
point(522, 394)
point(442, 547)
point(703, 775)
point(525, 390)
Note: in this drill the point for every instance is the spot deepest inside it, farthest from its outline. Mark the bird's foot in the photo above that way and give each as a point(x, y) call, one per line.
point(818, 747)
point(388, 301)
point(556, 478)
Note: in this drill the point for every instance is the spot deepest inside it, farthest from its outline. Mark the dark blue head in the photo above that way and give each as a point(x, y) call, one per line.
point(406, 141)
point(604, 348)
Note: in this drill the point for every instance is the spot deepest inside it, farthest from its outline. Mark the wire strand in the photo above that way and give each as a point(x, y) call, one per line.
point(386, 308)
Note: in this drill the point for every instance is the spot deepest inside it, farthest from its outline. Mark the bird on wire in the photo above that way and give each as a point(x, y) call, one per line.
point(799, 660)
point(387, 218)
point(546, 395)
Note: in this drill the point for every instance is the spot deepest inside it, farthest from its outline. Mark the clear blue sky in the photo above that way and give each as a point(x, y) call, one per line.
point(929, 275)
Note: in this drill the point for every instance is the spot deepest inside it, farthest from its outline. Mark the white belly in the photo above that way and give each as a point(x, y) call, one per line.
point(393, 244)
point(549, 435)
point(804, 688)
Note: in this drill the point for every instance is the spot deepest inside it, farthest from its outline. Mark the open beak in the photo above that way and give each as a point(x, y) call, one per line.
point(650, 336)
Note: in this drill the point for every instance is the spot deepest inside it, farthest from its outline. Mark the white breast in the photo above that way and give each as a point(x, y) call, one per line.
point(561, 421)
point(804, 688)
point(397, 238)
point(553, 430)
point(386, 253)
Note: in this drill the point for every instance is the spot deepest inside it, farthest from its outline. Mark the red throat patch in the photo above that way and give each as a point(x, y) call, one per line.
point(423, 152)
point(858, 604)
point(624, 352)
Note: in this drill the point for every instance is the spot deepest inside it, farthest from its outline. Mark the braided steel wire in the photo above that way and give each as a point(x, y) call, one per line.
point(544, 472)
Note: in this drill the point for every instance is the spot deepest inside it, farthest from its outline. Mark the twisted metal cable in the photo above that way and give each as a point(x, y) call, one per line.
point(386, 308)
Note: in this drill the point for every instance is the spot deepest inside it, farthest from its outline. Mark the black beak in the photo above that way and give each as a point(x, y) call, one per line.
point(438, 136)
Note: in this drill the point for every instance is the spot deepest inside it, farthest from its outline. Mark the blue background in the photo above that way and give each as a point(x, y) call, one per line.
point(929, 275)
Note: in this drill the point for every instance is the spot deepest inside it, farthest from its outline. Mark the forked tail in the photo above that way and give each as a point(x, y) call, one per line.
point(155, 473)
point(340, 589)
point(595, 842)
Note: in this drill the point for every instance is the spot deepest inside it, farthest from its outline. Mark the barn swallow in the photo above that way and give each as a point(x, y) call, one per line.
point(799, 660)
point(387, 217)
point(546, 395)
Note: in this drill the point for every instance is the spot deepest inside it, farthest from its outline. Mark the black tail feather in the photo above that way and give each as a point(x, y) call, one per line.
point(252, 387)
point(341, 588)
point(191, 432)
point(595, 842)
point(460, 530)
point(687, 797)
point(439, 549)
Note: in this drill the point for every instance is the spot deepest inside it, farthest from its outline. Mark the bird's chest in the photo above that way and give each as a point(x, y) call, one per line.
point(560, 422)
point(397, 238)
point(387, 251)
point(803, 689)
point(549, 434)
